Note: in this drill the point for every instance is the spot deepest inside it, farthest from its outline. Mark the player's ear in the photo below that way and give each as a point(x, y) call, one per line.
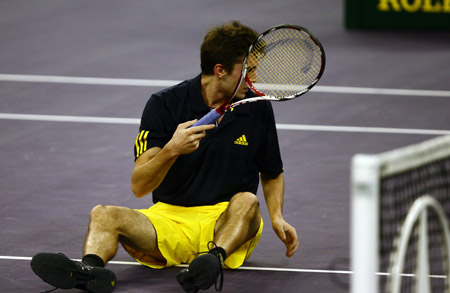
point(219, 71)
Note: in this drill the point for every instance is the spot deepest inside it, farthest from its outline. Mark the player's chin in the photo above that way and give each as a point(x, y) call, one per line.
point(241, 94)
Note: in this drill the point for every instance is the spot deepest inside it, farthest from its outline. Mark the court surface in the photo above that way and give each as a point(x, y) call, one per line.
point(75, 76)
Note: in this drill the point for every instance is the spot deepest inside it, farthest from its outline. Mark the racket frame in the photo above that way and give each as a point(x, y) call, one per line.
point(261, 97)
point(215, 114)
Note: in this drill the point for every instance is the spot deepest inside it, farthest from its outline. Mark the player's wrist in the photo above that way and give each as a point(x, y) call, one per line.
point(277, 218)
point(170, 150)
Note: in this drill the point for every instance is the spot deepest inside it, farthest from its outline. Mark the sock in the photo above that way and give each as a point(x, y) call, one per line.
point(93, 260)
point(220, 253)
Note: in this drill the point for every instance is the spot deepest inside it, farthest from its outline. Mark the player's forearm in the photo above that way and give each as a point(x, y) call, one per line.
point(152, 166)
point(273, 189)
point(148, 176)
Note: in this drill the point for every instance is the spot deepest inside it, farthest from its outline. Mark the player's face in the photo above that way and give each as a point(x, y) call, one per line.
point(233, 79)
point(252, 64)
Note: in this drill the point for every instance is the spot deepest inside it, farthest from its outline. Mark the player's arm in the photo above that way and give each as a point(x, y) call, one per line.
point(273, 188)
point(152, 166)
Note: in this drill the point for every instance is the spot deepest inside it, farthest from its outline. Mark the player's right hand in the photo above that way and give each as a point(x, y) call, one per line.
point(186, 139)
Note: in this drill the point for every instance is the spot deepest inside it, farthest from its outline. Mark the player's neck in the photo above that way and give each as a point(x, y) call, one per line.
point(211, 91)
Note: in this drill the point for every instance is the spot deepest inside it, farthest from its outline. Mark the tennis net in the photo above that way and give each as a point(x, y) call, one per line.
point(384, 187)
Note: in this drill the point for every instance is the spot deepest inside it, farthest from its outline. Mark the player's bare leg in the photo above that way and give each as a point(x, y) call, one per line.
point(108, 225)
point(239, 223)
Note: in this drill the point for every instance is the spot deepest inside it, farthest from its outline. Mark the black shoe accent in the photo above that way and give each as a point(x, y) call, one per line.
point(186, 281)
point(203, 272)
point(58, 270)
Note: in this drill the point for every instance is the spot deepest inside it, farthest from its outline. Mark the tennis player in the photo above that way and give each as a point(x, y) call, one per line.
point(203, 180)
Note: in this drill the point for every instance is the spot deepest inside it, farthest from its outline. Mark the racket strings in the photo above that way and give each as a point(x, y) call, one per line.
point(284, 62)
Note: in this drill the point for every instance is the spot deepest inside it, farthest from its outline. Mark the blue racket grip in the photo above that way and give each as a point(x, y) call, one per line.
point(209, 118)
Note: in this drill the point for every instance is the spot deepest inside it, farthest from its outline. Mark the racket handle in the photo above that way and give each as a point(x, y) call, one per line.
point(209, 118)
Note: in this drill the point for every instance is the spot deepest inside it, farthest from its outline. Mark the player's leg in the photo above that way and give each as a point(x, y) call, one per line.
point(108, 225)
point(239, 223)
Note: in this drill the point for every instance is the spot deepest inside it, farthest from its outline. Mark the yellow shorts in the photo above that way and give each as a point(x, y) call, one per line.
point(184, 231)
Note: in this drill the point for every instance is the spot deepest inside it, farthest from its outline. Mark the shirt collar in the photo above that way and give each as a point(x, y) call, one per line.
point(198, 104)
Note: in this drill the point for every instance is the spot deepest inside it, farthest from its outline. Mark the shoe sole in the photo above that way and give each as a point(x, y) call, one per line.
point(185, 281)
point(61, 272)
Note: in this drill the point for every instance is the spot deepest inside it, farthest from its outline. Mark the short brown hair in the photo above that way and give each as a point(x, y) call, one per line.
point(225, 44)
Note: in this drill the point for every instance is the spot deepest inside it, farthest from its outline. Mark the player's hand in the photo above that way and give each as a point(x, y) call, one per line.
point(287, 234)
point(186, 139)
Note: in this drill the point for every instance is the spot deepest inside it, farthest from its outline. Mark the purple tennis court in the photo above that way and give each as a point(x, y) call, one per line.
point(74, 79)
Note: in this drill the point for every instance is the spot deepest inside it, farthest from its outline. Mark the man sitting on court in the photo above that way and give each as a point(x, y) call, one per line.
point(204, 181)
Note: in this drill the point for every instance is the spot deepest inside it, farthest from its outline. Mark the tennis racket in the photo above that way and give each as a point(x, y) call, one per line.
point(282, 64)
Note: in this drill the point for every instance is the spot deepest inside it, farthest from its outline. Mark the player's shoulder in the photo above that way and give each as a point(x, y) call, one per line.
point(264, 107)
point(173, 96)
point(174, 92)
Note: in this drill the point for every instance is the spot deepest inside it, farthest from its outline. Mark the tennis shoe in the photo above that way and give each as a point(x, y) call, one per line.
point(201, 274)
point(58, 270)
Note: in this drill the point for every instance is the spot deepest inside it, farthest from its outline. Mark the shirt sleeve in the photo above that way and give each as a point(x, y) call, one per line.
point(152, 131)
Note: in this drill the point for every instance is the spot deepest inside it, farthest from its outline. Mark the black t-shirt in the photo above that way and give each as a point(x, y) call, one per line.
point(229, 158)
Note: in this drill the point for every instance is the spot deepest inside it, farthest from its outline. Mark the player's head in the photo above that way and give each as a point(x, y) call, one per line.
point(225, 44)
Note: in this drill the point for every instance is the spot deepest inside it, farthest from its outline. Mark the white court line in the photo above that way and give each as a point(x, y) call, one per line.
point(64, 118)
point(88, 80)
point(362, 129)
point(167, 83)
point(316, 271)
point(240, 268)
point(298, 127)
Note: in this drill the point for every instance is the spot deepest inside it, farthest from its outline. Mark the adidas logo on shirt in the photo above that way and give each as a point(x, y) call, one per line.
point(241, 140)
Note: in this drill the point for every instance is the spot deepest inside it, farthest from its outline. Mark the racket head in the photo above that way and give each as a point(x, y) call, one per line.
point(284, 62)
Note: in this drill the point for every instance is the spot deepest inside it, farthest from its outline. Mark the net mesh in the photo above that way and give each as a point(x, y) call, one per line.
point(284, 63)
point(397, 193)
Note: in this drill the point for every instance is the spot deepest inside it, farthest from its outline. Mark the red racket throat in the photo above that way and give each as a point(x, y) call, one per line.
point(252, 88)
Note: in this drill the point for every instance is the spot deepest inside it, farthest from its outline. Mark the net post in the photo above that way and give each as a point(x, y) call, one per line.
point(416, 213)
point(364, 223)
point(423, 258)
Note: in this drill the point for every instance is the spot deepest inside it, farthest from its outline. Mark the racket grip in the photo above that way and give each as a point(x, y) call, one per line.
point(209, 118)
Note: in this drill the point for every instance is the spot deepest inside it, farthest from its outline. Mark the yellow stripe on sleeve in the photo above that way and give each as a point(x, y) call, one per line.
point(145, 142)
point(136, 144)
point(141, 142)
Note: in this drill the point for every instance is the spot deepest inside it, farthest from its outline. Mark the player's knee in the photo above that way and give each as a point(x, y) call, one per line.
point(101, 213)
point(249, 201)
